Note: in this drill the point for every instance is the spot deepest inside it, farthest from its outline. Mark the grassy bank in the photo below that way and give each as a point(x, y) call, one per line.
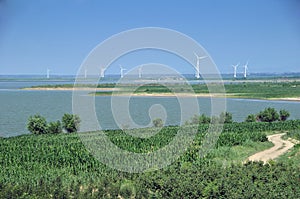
point(261, 90)
point(59, 166)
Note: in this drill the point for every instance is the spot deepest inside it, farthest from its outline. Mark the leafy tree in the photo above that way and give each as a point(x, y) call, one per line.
point(226, 117)
point(251, 118)
point(55, 127)
point(268, 115)
point(37, 124)
point(157, 122)
point(203, 119)
point(284, 114)
point(70, 122)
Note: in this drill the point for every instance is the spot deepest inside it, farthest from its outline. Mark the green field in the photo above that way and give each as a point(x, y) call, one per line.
point(59, 166)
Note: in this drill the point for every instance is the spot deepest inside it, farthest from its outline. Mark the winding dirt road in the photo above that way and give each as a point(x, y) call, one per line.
point(280, 147)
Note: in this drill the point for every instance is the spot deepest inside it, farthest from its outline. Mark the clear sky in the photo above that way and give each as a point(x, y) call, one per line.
point(59, 34)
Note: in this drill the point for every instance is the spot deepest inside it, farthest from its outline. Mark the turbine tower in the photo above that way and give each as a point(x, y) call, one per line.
point(48, 73)
point(102, 71)
point(140, 72)
point(234, 69)
point(122, 71)
point(85, 73)
point(245, 70)
point(197, 74)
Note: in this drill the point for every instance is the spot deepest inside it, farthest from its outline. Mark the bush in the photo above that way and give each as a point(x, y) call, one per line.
point(157, 122)
point(70, 122)
point(226, 117)
point(268, 115)
point(284, 114)
point(203, 119)
point(37, 124)
point(251, 118)
point(55, 127)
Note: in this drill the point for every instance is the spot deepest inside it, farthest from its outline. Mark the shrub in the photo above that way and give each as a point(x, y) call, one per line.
point(70, 122)
point(37, 124)
point(268, 115)
point(251, 118)
point(158, 122)
point(226, 117)
point(203, 119)
point(55, 127)
point(284, 114)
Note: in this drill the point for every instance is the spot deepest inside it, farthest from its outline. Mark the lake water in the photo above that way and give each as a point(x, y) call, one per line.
point(17, 105)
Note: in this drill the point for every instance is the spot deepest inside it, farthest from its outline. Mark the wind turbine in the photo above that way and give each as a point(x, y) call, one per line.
point(102, 71)
point(245, 70)
point(48, 73)
point(122, 71)
point(85, 73)
point(234, 69)
point(197, 74)
point(140, 72)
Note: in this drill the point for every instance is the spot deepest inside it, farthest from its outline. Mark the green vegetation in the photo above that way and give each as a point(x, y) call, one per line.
point(70, 122)
point(251, 118)
point(295, 134)
point(158, 122)
point(55, 127)
point(203, 119)
point(283, 115)
point(258, 90)
point(59, 166)
point(38, 124)
point(268, 115)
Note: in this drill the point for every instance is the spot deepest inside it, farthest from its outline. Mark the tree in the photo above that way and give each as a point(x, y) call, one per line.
point(203, 119)
point(158, 122)
point(283, 114)
point(55, 127)
point(268, 115)
point(226, 117)
point(37, 124)
point(70, 122)
point(251, 118)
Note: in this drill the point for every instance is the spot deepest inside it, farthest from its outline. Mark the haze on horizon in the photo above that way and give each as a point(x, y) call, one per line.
point(36, 35)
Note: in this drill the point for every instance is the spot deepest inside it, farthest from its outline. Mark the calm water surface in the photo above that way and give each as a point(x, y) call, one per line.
point(17, 105)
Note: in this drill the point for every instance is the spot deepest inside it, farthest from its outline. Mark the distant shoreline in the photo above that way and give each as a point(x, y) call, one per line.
point(108, 92)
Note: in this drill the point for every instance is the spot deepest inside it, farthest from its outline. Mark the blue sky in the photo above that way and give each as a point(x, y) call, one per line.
point(40, 34)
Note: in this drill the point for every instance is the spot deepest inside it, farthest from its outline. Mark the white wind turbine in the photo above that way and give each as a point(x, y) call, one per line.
point(234, 69)
point(102, 71)
point(140, 72)
point(197, 74)
point(48, 73)
point(85, 73)
point(245, 70)
point(122, 71)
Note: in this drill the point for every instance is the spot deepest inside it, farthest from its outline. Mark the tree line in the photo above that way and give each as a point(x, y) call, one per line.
point(69, 123)
point(267, 115)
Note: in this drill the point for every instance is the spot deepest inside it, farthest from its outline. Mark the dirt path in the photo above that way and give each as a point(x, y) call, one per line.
point(280, 147)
